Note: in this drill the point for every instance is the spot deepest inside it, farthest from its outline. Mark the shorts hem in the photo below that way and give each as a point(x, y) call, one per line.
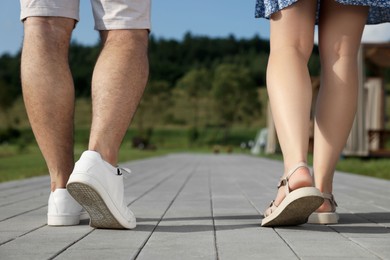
point(49, 12)
point(121, 25)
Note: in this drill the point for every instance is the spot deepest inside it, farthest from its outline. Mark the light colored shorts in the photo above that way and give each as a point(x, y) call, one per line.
point(108, 14)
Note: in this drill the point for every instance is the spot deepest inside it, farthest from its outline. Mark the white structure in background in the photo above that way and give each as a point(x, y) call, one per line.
point(368, 131)
point(368, 120)
point(260, 141)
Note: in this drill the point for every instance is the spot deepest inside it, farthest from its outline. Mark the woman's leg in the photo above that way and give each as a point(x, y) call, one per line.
point(289, 85)
point(340, 31)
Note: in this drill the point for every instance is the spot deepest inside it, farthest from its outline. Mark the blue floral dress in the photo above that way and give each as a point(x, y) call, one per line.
point(379, 9)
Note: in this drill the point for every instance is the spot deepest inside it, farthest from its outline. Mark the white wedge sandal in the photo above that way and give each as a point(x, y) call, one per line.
point(296, 207)
point(324, 218)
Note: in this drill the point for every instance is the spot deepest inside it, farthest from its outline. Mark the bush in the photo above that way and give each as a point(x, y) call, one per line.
point(9, 135)
point(193, 135)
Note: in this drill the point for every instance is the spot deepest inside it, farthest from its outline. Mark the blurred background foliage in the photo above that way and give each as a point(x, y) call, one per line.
point(203, 94)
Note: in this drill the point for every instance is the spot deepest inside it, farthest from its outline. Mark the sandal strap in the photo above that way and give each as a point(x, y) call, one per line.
point(271, 208)
point(331, 199)
point(284, 181)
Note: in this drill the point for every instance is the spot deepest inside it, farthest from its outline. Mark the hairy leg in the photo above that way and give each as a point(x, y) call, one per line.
point(118, 83)
point(289, 84)
point(48, 92)
point(340, 31)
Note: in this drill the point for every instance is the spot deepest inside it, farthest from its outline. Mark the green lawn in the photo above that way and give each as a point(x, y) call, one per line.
point(30, 163)
point(379, 168)
point(23, 159)
point(19, 165)
point(15, 165)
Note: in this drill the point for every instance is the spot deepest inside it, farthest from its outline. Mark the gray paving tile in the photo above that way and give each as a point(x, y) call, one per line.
point(186, 230)
point(201, 207)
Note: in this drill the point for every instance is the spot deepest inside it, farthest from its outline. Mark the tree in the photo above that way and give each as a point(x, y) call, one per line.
point(9, 84)
point(235, 95)
point(196, 83)
point(154, 103)
point(82, 60)
point(7, 98)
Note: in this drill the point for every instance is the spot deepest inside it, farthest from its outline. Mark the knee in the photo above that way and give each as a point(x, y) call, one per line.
point(127, 39)
point(342, 49)
point(53, 32)
point(300, 48)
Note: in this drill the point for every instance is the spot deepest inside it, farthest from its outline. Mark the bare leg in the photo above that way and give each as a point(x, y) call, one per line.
point(340, 31)
point(118, 83)
point(49, 93)
point(289, 85)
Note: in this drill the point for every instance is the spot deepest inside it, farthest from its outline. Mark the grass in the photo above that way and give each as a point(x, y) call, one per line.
point(16, 165)
point(30, 163)
point(20, 162)
point(23, 159)
point(379, 168)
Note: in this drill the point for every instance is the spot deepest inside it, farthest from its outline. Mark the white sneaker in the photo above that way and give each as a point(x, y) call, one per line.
point(98, 187)
point(63, 210)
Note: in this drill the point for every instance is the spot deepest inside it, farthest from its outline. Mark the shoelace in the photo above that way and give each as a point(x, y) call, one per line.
point(121, 170)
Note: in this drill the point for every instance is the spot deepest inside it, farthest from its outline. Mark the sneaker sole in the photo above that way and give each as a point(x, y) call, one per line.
point(99, 212)
point(58, 220)
point(295, 208)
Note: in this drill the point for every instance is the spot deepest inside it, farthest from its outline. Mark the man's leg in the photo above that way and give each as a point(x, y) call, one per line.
point(118, 83)
point(49, 98)
point(49, 93)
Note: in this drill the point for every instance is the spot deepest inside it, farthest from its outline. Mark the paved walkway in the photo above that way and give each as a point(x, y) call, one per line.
point(200, 207)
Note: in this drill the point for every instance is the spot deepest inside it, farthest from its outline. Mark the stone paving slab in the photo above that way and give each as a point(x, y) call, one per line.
point(192, 206)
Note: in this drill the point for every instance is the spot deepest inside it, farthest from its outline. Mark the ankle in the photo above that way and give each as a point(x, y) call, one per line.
point(301, 178)
point(107, 155)
point(59, 183)
point(325, 207)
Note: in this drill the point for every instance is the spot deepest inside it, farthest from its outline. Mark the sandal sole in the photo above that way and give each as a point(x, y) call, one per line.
point(323, 218)
point(295, 209)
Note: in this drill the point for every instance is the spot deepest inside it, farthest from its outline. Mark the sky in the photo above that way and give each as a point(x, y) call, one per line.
point(170, 19)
